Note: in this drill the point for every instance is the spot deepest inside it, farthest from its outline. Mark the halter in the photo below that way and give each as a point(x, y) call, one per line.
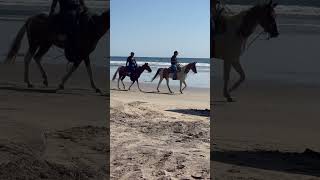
point(245, 46)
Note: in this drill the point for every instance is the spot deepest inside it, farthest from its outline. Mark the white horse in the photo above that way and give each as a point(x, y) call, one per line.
point(165, 73)
point(229, 44)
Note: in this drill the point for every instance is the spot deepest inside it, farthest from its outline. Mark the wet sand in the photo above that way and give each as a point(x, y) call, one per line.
point(271, 132)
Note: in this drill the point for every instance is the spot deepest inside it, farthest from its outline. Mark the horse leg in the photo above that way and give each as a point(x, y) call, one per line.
point(119, 82)
point(185, 85)
point(168, 85)
point(226, 77)
point(138, 85)
point(181, 86)
point(122, 78)
point(237, 66)
point(38, 57)
point(67, 76)
point(161, 78)
point(131, 85)
point(27, 60)
point(88, 66)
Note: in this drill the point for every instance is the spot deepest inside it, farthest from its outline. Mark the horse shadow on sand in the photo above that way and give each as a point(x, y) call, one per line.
point(45, 90)
point(195, 112)
point(115, 89)
point(156, 92)
point(304, 163)
point(143, 91)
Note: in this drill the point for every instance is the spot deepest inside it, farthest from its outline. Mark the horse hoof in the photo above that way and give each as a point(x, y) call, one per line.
point(229, 99)
point(45, 83)
point(30, 86)
point(98, 90)
point(61, 87)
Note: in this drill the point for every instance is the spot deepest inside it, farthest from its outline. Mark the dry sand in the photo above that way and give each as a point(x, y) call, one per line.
point(271, 132)
point(47, 135)
point(159, 135)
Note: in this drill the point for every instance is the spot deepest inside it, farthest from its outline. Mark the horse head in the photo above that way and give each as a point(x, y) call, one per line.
point(101, 23)
point(191, 66)
point(106, 17)
point(146, 67)
point(267, 19)
point(263, 15)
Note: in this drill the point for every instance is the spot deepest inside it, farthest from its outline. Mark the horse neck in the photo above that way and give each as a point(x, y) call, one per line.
point(140, 70)
point(183, 68)
point(103, 23)
point(248, 22)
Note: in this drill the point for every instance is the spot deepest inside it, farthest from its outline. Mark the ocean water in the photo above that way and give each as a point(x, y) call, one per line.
point(200, 80)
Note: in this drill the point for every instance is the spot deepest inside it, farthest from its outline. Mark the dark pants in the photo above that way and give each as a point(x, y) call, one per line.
point(131, 68)
point(174, 69)
point(70, 25)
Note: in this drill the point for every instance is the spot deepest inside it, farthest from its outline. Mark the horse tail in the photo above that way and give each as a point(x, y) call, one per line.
point(155, 76)
point(115, 74)
point(14, 49)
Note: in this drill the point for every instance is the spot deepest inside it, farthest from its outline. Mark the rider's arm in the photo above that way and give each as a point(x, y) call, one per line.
point(173, 60)
point(127, 62)
point(83, 5)
point(53, 6)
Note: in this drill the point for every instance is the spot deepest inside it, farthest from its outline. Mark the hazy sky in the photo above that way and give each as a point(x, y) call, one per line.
point(155, 28)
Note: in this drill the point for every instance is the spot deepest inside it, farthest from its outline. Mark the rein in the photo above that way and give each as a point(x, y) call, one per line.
point(246, 47)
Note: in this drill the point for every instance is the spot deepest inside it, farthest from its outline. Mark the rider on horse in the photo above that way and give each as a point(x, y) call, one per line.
point(131, 63)
point(69, 13)
point(219, 24)
point(174, 65)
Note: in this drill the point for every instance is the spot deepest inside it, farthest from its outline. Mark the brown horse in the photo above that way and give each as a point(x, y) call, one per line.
point(134, 76)
point(230, 44)
point(41, 37)
point(165, 73)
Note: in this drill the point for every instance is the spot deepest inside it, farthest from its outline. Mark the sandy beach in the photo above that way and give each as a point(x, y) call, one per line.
point(272, 130)
point(270, 133)
point(52, 135)
point(159, 135)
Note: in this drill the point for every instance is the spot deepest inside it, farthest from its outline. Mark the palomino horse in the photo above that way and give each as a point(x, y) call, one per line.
point(134, 76)
point(181, 75)
point(41, 37)
point(229, 44)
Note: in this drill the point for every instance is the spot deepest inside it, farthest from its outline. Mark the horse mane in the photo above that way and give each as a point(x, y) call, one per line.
point(187, 68)
point(249, 21)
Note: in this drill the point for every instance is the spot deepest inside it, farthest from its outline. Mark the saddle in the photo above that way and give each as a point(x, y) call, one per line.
point(56, 24)
point(178, 69)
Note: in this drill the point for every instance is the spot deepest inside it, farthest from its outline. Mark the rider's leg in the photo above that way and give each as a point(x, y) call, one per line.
point(174, 69)
point(70, 26)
